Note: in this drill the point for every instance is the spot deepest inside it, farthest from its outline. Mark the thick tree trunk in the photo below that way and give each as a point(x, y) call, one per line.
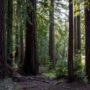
point(75, 35)
point(78, 31)
point(87, 28)
point(51, 35)
point(21, 45)
point(2, 43)
point(21, 21)
point(5, 69)
point(70, 48)
point(9, 31)
point(17, 33)
point(77, 39)
point(31, 60)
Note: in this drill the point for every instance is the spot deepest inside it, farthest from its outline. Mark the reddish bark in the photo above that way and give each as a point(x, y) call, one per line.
point(31, 61)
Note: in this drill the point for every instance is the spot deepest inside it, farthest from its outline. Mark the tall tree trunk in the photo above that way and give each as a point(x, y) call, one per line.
point(51, 34)
point(78, 30)
point(18, 20)
point(70, 48)
point(22, 27)
point(87, 31)
point(31, 60)
point(21, 44)
point(75, 36)
point(9, 32)
point(2, 43)
point(22, 35)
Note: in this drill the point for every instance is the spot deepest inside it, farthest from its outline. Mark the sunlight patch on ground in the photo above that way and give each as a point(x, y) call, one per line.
point(51, 75)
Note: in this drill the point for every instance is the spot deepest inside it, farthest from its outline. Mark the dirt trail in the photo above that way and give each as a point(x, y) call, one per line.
point(41, 83)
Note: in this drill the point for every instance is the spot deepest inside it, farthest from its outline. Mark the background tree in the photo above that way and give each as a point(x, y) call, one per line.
point(87, 30)
point(2, 39)
point(70, 48)
point(52, 34)
point(77, 37)
point(31, 60)
point(9, 23)
point(78, 29)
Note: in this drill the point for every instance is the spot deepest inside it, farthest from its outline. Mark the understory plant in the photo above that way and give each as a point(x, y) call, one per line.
point(61, 68)
point(80, 68)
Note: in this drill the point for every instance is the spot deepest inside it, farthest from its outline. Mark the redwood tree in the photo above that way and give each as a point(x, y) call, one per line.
point(75, 35)
point(77, 38)
point(87, 29)
point(2, 44)
point(51, 34)
point(70, 48)
point(31, 60)
point(9, 17)
point(78, 30)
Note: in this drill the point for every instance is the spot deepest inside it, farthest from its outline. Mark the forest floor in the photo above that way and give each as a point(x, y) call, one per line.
point(41, 83)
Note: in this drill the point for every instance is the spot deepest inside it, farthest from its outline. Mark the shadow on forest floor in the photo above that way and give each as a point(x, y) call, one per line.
point(41, 83)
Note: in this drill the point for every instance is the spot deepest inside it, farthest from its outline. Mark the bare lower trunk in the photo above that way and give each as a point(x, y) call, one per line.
point(87, 27)
point(2, 43)
point(9, 31)
point(51, 35)
point(31, 60)
point(70, 48)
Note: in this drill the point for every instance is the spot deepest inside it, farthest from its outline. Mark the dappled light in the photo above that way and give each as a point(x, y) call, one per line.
point(44, 45)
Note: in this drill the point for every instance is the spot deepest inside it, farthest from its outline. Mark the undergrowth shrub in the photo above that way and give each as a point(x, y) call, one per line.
point(61, 68)
point(80, 69)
